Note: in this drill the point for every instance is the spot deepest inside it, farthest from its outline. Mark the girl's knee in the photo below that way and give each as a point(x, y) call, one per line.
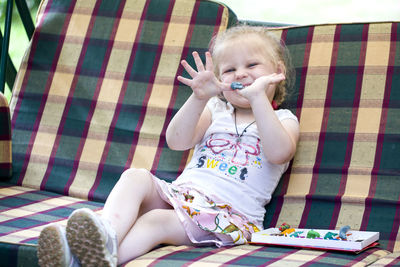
point(135, 175)
point(135, 172)
point(142, 181)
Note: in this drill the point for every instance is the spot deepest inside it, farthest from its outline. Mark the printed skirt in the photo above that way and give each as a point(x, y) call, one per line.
point(206, 220)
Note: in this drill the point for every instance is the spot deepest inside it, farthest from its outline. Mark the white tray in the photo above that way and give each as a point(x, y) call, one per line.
point(356, 240)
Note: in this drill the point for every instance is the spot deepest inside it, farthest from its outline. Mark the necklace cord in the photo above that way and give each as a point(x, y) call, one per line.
point(237, 132)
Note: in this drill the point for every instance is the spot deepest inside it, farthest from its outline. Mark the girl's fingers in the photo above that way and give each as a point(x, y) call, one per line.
point(209, 62)
point(185, 81)
point(188, 68)
point(280, 76)
point(273, 78)
point(225, 87)
point(198, 62)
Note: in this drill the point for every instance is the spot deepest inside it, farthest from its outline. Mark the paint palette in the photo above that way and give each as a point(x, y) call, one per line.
point(356, 241)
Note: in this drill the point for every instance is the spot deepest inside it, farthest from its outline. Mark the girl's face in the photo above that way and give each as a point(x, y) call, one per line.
point(244, 62)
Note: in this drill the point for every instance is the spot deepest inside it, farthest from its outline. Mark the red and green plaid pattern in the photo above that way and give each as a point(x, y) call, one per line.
point(25, 211)
point(98, 87)
point(347, 167)
point(249, 255)
point(5, 139)
point(390, 260)
point(96, 91)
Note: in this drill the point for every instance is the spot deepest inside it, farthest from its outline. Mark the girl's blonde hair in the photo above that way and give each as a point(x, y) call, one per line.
point(274, 51)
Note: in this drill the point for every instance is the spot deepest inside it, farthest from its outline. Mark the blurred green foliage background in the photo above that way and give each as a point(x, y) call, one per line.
point(18, 39)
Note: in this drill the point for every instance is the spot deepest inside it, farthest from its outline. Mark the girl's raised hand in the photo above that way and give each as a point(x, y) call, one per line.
point(262, 85)
point(203, 83)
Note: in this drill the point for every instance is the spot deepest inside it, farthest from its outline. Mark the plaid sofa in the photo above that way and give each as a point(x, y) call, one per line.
point(97, 88)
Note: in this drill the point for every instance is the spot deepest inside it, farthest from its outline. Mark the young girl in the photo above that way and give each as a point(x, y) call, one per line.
point(241, 144)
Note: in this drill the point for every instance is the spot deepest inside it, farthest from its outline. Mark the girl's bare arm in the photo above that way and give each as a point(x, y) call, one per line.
point(278, 138)
point(190, 123)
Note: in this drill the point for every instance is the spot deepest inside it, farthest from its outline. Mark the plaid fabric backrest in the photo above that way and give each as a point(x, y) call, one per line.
point(98, 87)
point(5, 139)
point(347, 96)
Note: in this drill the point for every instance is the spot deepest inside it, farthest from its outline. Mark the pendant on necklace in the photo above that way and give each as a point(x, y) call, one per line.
point(238, 139)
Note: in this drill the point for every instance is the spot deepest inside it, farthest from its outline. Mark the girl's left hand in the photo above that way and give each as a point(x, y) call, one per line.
point(262, 85)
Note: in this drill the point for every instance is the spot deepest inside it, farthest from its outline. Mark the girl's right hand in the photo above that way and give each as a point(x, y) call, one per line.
point(263, 85)
point(203, 83)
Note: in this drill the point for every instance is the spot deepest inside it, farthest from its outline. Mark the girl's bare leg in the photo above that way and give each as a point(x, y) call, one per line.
point(158, 226)
point(133, 195)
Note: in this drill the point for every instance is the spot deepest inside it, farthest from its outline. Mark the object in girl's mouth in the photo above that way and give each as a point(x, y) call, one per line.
point(237, 85)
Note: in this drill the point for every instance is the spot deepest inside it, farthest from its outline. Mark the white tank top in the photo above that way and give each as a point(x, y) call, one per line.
point(236, 172)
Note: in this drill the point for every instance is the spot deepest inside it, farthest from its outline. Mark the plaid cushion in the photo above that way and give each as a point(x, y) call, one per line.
point(95, 93)
point(18, 255)
point(347, 167)
point(5, 138)
point(248, 255)
point(24, 212)
point(389, 260)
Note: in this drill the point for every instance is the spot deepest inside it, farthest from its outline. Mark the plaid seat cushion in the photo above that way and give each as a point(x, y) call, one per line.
point(392, 259)
point(5, 139)
point(347, 167)
point(24, 212)
point(98, 87)
point(249, 255)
